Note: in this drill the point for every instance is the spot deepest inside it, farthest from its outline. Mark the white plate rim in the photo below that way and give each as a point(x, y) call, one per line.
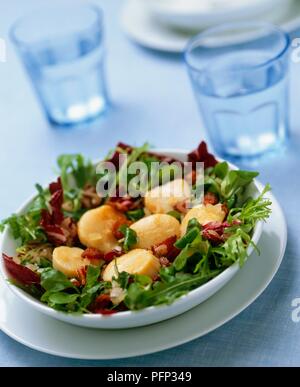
point(179, 43)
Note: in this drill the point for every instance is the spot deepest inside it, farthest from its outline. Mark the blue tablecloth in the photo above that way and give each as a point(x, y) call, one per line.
point(153, 101)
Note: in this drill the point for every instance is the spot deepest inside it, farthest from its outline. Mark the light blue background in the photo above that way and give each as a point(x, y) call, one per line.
point(153, 101)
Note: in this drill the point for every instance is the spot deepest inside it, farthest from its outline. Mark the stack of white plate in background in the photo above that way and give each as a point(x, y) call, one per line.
point(168, 24)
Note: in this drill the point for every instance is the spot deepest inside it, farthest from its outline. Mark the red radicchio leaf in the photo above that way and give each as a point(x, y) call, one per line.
point(128, 149)
point(92, 253)
point(55, 233)
point(214, 231)
point(59, 230)
point(56, 201)
point(201, 154)
point(166, 249)
point(115, 158)
point(20, 273)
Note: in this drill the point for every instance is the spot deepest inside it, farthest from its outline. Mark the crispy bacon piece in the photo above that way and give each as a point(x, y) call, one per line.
point(125, 203)
point(210, 198)
point(108, 257)
point(181, 206)
point(201, 154)
point(92, 254)
point(116, 232)
point(166, 249)
point(156, 278)
point(20, 273)
point(215, 231)
point(225, 209)
point(81, 275)
point(90, 198)
point(69, 228)
point(75, 282)
point(164, 262)
point(101, 305)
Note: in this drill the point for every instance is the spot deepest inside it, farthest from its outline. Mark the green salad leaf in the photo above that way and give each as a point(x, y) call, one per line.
point(175, 214)
point(164, 292)
point(75, 171)
point(62, 294)
point(254, 209)
point(130, 237)
point(26, 227)
point(235, 180)
point(135, 215)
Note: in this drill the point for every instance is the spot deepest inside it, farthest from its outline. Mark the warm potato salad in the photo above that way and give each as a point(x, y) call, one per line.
point(87, 249)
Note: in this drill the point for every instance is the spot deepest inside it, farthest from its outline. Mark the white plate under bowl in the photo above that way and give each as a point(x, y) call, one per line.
point(144, 29)
point(190, 15)
point(57, 338)
point(150, 315)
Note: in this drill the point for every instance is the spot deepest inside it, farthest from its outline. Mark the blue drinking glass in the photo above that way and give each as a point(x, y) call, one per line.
point(239, 73)
point(62, 49)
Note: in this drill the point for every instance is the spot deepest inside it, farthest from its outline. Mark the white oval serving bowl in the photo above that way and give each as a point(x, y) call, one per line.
point(130, 319)
point(197, 15)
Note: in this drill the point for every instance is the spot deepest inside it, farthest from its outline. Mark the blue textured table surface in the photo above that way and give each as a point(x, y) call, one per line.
point(153, 101)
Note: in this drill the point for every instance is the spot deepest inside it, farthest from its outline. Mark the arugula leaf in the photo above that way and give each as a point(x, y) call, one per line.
point(167, 274)
point(196, 247)
point(130, 237)
point(193, 223)
point(187, 238)
point(92, 275)
point(142, 279)
point(42, 198)
point(123, 279)
point(135, 215)
point(139, 297)
point(181, 259)
point(75, 171)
